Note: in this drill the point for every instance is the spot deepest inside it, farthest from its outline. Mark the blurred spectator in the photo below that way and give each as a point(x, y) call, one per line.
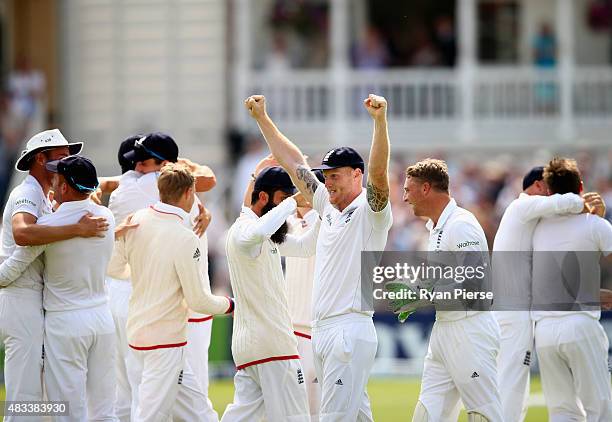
point(26, 87)
point(445, 39)
point(370, 52)
point(12, 133)
point(278, 61)
point(303, 26)
point(425, 53)
point(545, 47)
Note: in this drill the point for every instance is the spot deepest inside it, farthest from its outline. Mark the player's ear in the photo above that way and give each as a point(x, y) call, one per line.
point(425, 187)
point(581, 188)
point(263, 196)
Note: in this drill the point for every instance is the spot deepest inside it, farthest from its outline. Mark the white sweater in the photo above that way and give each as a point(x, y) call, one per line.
point(299, 273)
point(262, 325)
point(163, 256)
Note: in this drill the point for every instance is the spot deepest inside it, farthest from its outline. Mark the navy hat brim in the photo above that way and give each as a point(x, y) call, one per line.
point(327, 167)
point(136, 155)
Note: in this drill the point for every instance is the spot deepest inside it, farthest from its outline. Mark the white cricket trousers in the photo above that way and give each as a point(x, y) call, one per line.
point(573, 357)
point(156, 375)
point(119, 292)
point(513, 362)
point(273, 391)
point(21, 332)
point(344, 348)
point(461, 363)
point(80, 362)
point(313, 387)
point(192, 402)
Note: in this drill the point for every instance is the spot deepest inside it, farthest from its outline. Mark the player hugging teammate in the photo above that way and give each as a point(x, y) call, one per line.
point(125, 312)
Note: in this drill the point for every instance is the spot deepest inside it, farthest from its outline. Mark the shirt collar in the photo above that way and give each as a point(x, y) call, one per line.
point(164, 208)
point(31, 180)
point(355, 202)
point(74, 205)
point(249, 212)
point(448, 210)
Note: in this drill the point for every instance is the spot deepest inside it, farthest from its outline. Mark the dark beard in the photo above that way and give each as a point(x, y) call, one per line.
point(279, 235)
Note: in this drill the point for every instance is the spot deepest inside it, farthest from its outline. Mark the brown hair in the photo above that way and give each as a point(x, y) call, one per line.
point(174, 180)
point(562, 176)
point(432, 171)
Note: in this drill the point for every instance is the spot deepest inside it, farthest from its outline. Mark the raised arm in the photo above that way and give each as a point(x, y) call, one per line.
point(286, 152)
point(378, 164)
point(205, 177)
point(27, 233)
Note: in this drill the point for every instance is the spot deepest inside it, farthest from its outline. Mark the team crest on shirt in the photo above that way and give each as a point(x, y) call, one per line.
point(329, 219)
point(273, 250)
point(348, 216)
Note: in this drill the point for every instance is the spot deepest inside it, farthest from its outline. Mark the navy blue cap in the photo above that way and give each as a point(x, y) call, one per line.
point(534, 174)
point(79, 172)
point(341, 157)
point(274, 178)
point(125, 147)
point(154, 145)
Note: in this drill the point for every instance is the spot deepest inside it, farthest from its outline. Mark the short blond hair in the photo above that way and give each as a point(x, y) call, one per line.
point(432, 171)
point(174, 180)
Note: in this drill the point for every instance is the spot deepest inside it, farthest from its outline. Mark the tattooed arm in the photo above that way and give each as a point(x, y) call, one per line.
point(286, 152)
point(378, 165)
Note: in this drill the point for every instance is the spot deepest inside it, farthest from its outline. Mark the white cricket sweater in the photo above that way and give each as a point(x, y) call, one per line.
point(163, 258)
point(299, 273)
point(262, 329)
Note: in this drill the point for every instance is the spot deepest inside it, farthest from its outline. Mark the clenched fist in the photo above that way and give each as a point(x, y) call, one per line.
point(256, 104)
point(376, 106)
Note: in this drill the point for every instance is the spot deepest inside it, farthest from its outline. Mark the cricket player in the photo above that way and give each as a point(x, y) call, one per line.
point(270, 381)
point(136, 190)
point(354, 219)
point(299, 273)
point(21, 313)
point(572, 346)
point(463, 348)
point(512, 260)
point(79, 330)
point(161, 256)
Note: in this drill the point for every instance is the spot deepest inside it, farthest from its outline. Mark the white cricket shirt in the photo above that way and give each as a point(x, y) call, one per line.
point(515, 233)
point(299, 273)
point(74, 269)
point(28, 197)
point(342, 237)
point(582, 232)
point(457, 230)
point(262, 329)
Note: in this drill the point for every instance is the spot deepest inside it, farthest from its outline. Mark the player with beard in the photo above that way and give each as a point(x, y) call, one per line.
point(270, 382)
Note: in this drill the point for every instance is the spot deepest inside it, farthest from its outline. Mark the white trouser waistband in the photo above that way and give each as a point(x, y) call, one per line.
point(339, 319)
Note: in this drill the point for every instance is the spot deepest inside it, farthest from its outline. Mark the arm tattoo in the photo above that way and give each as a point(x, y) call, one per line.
point(377, 198)
point(305, 175)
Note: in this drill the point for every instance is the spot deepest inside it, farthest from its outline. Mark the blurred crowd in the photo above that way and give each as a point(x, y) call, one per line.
point(484, 183)
point(21, 114)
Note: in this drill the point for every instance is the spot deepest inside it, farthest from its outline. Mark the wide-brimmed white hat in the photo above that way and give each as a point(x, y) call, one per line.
point(48, 139)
